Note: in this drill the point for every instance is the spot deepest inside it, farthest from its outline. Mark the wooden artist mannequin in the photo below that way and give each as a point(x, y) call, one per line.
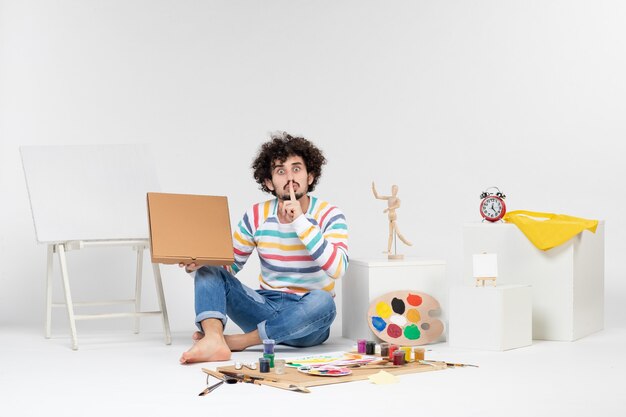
point(393, 203)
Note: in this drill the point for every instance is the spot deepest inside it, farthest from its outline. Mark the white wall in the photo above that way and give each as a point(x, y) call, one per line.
point(443, 98)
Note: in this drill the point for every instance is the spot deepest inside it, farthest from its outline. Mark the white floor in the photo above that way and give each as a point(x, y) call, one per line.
point(117, 373)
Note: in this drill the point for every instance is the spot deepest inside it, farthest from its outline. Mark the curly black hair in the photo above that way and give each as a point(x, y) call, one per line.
point(281, 146)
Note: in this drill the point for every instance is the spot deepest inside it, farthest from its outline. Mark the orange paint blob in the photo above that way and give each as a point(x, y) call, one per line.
point(413, 316)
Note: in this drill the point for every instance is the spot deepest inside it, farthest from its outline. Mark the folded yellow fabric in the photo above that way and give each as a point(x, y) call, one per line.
point(547, 230)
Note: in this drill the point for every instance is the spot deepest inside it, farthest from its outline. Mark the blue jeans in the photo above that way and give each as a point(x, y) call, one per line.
point(290, 319)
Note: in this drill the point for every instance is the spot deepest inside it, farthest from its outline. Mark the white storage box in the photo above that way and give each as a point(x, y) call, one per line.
point(567, 281)
point(367, 279)
point(490, 318)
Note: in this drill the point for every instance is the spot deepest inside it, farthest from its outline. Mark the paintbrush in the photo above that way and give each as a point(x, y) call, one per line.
point(262, 381)
point(459, 365)
point(221, 377)
point(372, 366)
point(449, 364)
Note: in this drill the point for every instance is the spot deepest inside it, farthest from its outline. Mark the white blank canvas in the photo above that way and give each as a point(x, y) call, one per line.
point(94, 192)
point(485, 265)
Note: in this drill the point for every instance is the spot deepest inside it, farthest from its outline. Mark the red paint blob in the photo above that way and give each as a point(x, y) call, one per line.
point(414, 299)
point(393, 330)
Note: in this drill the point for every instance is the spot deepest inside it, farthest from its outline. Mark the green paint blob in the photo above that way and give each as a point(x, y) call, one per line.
point(412, 332)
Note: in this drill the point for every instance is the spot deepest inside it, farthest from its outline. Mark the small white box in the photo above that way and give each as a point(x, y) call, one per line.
point(367, 279)
point(490, 318)
point(567, 281)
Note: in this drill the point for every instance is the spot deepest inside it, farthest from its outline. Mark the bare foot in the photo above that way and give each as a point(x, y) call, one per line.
point(210, 348)
point(239, 342)
point(235, 342)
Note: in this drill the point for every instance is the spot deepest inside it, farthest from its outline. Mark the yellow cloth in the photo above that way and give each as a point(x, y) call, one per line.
point(547, 230)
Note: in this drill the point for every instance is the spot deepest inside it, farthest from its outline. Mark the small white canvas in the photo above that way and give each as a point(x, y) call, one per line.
point(486, 265)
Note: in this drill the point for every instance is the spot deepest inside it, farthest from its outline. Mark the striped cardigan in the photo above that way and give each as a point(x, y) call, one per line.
point(308, 254)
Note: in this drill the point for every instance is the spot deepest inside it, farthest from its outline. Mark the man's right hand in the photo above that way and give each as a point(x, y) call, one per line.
point(190, 267)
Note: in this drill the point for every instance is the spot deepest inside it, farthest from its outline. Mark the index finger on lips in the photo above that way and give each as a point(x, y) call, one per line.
point(292, 194)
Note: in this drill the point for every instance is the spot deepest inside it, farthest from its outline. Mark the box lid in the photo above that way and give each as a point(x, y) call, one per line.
point(189, 228)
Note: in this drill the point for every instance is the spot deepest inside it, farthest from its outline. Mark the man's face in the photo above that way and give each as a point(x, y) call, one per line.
point(293, 171)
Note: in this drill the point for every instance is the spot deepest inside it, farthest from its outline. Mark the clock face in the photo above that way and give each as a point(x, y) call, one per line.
point(492, 208)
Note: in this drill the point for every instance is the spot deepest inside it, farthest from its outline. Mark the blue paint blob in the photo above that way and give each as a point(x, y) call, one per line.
point(378, 323)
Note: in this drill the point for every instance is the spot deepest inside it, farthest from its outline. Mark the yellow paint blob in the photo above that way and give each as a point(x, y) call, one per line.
point(383, 310)
point(413, 315)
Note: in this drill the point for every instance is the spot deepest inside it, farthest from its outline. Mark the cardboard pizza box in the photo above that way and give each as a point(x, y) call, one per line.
point(189, 228)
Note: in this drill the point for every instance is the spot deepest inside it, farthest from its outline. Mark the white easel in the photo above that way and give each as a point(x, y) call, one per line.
point(92, 196)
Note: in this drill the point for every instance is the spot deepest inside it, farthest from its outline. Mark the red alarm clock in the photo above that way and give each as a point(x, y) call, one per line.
point(492, 206)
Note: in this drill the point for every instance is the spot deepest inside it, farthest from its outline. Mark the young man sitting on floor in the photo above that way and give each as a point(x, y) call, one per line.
point(301, 242)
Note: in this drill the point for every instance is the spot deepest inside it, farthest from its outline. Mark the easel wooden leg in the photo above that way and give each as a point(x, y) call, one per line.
point(49, 265)
point(161, 297)
point(138, 278)
point(68, 295)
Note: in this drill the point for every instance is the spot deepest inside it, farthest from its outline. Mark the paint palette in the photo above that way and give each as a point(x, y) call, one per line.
point(325, 370)
point(405, 318)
